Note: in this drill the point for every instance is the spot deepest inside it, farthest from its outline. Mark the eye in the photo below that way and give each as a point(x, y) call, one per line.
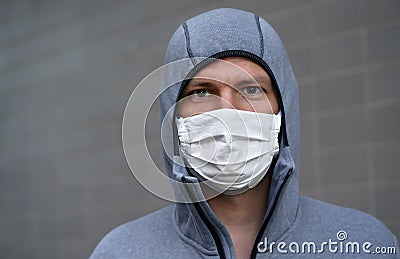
point(252, 90)
point(200, 93)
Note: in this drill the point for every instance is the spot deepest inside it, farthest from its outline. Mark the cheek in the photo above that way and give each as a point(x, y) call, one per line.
point(269, 104)
point(274, 104)
point(187, 109)
point(263, 105)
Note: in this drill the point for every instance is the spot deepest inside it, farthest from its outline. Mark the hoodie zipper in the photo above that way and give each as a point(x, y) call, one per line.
point(217, 240)
point(214, 234)
point(264, 225)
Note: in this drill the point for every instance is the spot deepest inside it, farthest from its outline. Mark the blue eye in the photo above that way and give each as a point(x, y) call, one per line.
point(200, 93)
point(252, 90)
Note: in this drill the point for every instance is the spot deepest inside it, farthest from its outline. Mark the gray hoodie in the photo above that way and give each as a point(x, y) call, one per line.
point(294, 225)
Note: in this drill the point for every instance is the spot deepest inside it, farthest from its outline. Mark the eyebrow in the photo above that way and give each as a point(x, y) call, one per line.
point(198, 82)
point(209, 82)
point(258, 80)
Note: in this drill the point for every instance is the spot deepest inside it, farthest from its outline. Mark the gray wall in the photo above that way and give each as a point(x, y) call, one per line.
point(67, 69)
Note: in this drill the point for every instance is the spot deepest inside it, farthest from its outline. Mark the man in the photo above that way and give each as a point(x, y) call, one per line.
point(236, 145)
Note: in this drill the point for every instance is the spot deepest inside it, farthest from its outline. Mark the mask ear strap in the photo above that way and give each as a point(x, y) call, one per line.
point(280, 130)
point(175, 138)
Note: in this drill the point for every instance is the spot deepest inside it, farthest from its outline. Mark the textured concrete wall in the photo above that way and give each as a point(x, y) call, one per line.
point(67, 69)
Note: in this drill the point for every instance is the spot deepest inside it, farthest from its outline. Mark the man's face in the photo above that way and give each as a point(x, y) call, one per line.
point(233, 83)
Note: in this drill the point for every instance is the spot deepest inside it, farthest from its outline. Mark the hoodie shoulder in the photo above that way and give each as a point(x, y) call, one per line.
point(327, 220)
point(138, 237)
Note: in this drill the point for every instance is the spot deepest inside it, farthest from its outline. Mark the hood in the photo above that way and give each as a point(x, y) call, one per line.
point(218, 34)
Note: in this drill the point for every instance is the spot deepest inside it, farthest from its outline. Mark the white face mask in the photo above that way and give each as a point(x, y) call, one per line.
point(230, 150)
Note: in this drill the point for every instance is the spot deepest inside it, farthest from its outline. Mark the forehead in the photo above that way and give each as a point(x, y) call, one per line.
point(231, 69)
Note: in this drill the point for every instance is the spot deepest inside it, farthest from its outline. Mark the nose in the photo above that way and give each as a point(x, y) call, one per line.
point(230, 98)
